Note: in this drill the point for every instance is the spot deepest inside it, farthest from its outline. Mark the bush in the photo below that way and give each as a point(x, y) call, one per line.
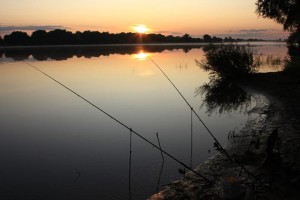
point(292, 67)
point(229, 61)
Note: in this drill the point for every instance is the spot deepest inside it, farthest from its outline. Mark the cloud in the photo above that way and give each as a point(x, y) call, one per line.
point(169, 33)
point(254, 30)
point(4, 28)
point(255, 33)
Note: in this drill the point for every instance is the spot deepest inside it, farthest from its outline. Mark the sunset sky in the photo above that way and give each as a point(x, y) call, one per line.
point(236, 18)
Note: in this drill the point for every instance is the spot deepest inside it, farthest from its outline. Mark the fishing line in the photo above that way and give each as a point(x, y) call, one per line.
point(189, 105)
point(118, 121)
point(191, 159)
point(208, 130)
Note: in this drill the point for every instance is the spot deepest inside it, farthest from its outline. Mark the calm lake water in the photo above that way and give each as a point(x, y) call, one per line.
point(53, 145)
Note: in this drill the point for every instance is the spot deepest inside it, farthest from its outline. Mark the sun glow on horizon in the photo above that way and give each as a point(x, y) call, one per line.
point(141, 28)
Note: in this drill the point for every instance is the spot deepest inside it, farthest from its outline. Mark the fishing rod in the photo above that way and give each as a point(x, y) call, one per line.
point(208, 130)
point(121, 123)
point(189, 105)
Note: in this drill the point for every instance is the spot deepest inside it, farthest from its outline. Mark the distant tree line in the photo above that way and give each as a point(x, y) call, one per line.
point(63, 37)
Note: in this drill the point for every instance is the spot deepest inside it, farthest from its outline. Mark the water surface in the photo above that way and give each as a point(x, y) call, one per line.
point(53, 145)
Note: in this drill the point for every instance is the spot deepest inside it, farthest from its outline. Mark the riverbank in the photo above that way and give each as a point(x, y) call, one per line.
point(277, 107)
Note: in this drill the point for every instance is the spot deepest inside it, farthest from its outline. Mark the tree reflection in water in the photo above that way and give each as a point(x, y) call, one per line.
point(221, 95)
point(227, 64)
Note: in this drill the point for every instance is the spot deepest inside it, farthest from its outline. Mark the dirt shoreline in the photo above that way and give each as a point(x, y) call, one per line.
point(277, 107)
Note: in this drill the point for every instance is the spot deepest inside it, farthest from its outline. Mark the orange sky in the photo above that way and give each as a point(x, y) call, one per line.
point(196, 17)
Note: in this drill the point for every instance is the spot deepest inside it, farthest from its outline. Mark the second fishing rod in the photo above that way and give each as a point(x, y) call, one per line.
point(193, 111)
point(205, 126)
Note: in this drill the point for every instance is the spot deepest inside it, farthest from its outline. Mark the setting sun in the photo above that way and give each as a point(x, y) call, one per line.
point(141, 28)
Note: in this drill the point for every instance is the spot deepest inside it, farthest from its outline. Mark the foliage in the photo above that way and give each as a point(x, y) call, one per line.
point(226, 63)
point(63, 37)
point(39, 37)
point(229, 61)
point(17, 38)
point(285, 12)
point(292, 66)
point(208, 38)
point(293, 43)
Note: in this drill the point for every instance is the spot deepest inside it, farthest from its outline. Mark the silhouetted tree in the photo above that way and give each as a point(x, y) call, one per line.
point(293, 66)
point(294, 38)
point(216, 39)
point(207, 38)
point(1, 41)
point(106, 37)
point(77, 37)
point(92, 37)
point(229, 39)
point(157, 38)
point(63, 37)
point(17, 38)
point(285, 12)
point(129, 38)
point(39, 37)
point(60, 37)
point(187, 38)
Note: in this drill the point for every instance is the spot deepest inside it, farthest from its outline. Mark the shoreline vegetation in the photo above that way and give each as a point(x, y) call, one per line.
point(266, 152)
point(274, 110)
point(63, 37)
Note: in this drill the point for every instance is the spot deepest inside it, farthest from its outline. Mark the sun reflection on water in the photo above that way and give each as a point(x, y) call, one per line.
point(141, 55)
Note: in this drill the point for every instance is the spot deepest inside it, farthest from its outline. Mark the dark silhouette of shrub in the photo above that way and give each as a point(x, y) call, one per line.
point(229, 61)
